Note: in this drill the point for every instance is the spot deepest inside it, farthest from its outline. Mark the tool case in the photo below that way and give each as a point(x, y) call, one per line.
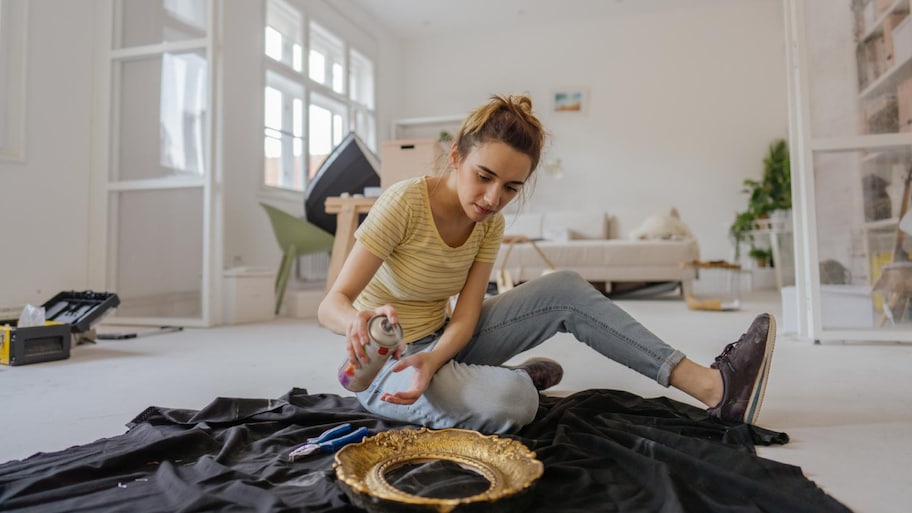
point(68, 316)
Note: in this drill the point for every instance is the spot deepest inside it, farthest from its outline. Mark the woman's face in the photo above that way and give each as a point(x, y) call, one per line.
point(489, 177)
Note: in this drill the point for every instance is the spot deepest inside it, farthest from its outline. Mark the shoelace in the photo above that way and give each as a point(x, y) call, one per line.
point(723, 358)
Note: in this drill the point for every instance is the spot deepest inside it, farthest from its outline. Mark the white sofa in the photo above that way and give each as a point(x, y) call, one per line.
point(581, 241)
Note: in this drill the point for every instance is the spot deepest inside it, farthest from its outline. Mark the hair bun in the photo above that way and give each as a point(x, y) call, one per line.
point(508, 119)
point(523, 101)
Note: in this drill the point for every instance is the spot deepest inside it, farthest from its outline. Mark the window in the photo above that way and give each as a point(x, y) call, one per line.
point(284, 134)
point(310, 106)
point(327, 128)
point(183, 105)
point(283, 35)
point(361, 92)
point(12, 78)
point(327, 56)
point(361, 80)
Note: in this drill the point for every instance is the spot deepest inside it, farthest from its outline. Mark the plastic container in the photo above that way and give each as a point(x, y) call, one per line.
point(717, 287)
point(68, 314)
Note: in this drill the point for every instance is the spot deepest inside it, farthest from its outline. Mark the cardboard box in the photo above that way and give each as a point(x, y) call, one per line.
point(902, 40)
point(883, 5)
point(890, 35)
point(904, 101)
point(408, 158)
point(870, 14)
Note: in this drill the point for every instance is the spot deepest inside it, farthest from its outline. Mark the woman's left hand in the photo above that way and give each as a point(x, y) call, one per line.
point(425, 366)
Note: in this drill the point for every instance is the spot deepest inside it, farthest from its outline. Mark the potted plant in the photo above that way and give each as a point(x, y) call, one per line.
point(763, 257)
point(772, 193)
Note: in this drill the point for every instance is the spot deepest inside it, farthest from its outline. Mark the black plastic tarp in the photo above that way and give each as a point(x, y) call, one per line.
point(602, 450)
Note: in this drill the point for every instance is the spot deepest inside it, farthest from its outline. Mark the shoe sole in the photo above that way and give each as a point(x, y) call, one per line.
point(752, 413)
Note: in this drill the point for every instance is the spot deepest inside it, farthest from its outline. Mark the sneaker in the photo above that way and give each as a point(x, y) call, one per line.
point(545, 372)
point(745, 366)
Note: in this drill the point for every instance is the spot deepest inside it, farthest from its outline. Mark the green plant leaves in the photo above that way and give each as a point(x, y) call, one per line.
point(772, 192)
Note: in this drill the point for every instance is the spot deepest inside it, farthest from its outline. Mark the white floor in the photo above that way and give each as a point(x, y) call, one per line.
point(846, 407)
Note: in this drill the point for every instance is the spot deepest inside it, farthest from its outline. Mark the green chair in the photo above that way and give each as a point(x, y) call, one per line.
point(296, 237)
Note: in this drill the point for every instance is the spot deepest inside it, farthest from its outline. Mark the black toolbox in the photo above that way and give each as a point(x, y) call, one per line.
point(68, 316)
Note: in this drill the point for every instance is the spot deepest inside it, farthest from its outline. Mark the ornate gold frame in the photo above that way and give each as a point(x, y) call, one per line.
point(508, 465)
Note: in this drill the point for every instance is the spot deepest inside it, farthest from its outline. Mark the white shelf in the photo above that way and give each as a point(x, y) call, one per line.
point(869, 142)
point(895, 156)
point(889, 79)
point(881, 223)
point(450, 121)
point(898, 7)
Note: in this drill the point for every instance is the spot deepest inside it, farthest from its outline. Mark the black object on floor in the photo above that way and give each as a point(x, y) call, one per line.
point(642, 290)
point(602, 450)
point(137, 334)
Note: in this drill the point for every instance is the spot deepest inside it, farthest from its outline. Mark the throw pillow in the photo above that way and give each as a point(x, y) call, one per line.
point(668, 226)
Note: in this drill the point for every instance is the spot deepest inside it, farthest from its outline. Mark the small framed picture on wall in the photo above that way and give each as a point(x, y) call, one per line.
point(570, 99)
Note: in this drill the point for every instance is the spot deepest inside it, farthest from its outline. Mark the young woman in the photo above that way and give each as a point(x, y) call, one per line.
point(427, 239)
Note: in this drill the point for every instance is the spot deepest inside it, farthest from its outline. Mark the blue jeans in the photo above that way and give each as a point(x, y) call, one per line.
point(473, 391)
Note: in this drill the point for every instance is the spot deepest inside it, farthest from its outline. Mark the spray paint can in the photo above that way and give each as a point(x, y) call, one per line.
point(385, 337)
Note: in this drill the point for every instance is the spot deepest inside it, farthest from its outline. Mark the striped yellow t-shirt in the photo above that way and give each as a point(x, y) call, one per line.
point(419, 271)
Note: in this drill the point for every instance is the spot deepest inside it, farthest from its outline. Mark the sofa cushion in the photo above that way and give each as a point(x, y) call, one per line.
point(574, 225)
point(528, 224)
point(603, 260)
point(604, 253)
point(558, 225)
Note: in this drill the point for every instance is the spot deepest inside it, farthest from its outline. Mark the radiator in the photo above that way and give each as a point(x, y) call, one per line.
point(313, 267)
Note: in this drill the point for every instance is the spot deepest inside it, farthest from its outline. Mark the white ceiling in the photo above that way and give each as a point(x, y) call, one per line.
point(424, 18)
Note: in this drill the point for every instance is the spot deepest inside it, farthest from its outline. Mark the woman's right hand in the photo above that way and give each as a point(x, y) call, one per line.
point(357, 335)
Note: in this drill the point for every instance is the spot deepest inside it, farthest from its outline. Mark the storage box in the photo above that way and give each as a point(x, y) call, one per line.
point(409, 158)
point(81, 310)
point(249, 295)
point(34, 344)
point(889, 32)
point(904, 101)
point(841, 307)
point(68, 315)
point(902, 40)
point(883, 5)
point(870, 14)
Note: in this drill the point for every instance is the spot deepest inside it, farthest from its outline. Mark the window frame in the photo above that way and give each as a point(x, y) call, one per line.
point(357, 113)
point(291, 91)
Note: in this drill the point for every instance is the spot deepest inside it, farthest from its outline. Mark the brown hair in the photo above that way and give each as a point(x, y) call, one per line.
point(506, 119)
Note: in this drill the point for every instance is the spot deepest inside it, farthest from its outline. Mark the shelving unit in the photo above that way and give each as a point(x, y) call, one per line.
point(424, 127)
point(851, 135)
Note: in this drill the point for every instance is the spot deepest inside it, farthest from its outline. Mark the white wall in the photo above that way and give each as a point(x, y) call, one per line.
point(45, 200)
point(684, 103)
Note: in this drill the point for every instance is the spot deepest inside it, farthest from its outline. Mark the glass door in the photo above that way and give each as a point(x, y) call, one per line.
point(154, 216)
point(851, 118)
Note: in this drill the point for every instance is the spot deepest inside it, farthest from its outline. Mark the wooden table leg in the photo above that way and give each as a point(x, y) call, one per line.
point(346, 224)
point(347, 210)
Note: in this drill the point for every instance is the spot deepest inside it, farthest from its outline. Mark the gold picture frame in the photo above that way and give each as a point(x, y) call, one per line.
point(508, 465)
